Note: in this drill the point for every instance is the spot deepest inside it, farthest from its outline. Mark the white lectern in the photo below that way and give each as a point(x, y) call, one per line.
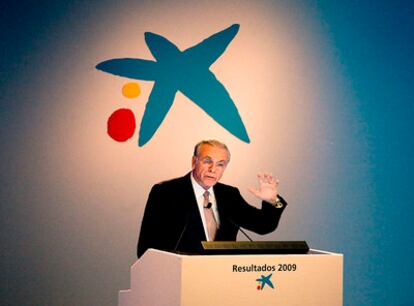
point(161, 278)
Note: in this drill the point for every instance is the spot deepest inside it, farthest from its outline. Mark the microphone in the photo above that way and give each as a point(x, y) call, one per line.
point(208, 206)
point(187, 219)
point(240, 229)
point(244, 233)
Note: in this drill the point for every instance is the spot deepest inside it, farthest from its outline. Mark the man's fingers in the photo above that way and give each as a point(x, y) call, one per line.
point(266, 178)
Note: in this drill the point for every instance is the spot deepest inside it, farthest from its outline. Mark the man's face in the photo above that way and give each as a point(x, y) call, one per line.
point(209, 165)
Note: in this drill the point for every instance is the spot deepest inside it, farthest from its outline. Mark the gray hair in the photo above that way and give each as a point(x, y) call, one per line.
point(211, 142)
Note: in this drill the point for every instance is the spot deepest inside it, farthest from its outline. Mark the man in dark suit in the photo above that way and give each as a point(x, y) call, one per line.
point(182, 212)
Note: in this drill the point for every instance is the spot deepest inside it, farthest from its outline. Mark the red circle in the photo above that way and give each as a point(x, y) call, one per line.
point(121, 125)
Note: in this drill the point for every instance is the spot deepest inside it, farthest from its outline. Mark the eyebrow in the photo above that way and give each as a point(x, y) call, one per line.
point(219, 161)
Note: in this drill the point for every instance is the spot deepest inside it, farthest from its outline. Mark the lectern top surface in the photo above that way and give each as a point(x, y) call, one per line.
point(254, 247)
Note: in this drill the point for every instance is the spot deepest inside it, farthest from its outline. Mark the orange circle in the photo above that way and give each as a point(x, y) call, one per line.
point(131, 90)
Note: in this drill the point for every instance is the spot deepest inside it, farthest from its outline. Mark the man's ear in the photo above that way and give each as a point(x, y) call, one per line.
point(193, 161)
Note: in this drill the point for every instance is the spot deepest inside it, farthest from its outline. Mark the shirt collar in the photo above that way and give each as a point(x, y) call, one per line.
point(198, 190)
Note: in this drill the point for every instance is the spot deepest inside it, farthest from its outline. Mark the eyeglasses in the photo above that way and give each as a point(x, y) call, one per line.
point(208, 161)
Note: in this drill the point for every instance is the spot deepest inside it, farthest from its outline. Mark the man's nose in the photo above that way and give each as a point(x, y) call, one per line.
point(212, 168)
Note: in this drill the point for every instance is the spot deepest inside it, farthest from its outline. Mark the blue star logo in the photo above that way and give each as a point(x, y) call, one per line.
point(187, 71)
point(265, 280)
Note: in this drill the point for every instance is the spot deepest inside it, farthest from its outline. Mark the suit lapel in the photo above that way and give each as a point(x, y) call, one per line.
point(220, 200)
point(228, 228)
point(195, 221)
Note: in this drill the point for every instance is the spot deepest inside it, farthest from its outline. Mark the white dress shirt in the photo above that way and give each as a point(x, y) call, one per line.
point(199, 194)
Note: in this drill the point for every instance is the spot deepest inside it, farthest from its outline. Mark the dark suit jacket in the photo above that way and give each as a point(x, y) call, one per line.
point(172, 219)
